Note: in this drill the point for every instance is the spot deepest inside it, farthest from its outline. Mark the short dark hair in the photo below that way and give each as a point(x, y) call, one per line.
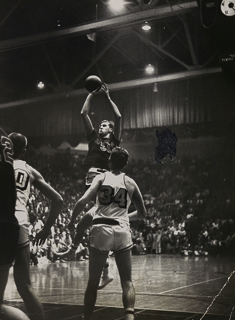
point(19, 142)
point(111, 123)
point(118, 158)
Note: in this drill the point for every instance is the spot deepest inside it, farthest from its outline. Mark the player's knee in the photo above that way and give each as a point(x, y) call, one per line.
point(126, 284)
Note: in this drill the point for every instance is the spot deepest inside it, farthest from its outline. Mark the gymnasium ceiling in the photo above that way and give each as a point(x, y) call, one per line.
point(48, 41)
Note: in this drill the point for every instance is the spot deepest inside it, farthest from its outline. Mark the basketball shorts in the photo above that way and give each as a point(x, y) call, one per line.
point(9, 234)
point(105, 238)
point(23, 236)
point(91, 174)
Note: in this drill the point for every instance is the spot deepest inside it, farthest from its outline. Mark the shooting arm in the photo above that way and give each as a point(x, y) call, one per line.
point(85, 114)
point(118, 117)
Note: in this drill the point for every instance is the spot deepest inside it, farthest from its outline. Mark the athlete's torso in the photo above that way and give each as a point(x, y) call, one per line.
point(24, 181)
point(99, 151)
point(7, 180)
point(113, 198)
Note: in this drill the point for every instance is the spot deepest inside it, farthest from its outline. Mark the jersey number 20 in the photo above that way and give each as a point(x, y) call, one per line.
point(106, 196)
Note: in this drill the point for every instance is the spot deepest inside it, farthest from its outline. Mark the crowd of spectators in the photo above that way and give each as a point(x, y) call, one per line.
point(189, 205)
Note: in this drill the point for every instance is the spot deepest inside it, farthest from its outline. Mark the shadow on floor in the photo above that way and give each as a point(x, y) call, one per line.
point(72, 312)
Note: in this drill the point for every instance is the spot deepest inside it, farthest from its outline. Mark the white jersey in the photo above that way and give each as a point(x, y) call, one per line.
point(23, 185)
point(113, 198)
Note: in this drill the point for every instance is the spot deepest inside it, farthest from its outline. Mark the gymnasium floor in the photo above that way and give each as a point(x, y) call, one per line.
point(167, 287)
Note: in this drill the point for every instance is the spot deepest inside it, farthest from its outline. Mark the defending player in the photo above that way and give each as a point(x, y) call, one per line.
point(9, 228)
point(25, 177)
point(110, 230)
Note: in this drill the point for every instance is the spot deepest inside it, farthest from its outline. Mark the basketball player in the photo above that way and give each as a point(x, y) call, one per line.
point(25, 177)
point(100, 145)
point(110, 228)
point(9, 228)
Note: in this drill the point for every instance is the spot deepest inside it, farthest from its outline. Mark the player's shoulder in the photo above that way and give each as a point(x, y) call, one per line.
point(129, 180)
point(19, 164)
point(34, 173)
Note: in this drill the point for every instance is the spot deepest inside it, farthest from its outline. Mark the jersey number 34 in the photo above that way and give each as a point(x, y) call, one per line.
point(106, 196)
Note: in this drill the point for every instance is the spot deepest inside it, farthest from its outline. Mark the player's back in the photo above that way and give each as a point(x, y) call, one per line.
point(114, 197)
point(7, 185)
point(23, 185)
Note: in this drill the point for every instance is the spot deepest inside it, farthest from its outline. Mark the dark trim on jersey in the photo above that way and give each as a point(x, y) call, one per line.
point(27, 180)
point(108, 221)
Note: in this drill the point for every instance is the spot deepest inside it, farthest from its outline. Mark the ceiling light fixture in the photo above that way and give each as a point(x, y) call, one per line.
point(146, 26)
point(117, 4)
point(155, 88)
point(40, 85)
point(149, 69)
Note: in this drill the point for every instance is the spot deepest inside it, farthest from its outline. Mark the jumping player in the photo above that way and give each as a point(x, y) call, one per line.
point(110, 230)
point(25, 177)
point(100, 145)
point(9, 228)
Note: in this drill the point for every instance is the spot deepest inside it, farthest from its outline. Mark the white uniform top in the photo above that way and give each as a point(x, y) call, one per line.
point(113, 198)
point(23, 185)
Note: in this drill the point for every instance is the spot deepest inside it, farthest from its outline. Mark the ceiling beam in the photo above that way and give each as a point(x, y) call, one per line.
point(159, 48)
point(10, 13)
point(93, 62)
point(190, 42)
point(121, 21)
point(115, 86)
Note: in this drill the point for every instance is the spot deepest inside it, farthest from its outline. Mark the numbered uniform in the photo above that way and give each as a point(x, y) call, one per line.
point(111, 228)
point(9, 229)
point(23, 180)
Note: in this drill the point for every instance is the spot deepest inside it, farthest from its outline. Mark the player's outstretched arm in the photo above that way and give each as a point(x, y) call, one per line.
point(138, 202)
point(56, 204)
point(85, 113)
point(88, 195)
point(118, 116)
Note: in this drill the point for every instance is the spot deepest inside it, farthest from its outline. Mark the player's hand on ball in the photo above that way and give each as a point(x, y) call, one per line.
point(105, 88)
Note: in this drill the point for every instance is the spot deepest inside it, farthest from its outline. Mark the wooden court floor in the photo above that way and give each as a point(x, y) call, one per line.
point(167, 287)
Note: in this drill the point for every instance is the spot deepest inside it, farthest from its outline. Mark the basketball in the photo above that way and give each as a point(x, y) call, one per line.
point(93, 83)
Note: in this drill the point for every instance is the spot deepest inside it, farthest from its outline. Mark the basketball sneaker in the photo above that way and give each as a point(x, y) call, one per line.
point(104, 281)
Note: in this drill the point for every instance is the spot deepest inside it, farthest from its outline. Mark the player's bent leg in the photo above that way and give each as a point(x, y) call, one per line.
point(106, 277)
point(96, 264)
point(123, 261)
point(24, 286)
point(82, 226)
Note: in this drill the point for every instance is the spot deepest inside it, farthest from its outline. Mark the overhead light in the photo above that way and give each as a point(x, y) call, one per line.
point(117, 4)
point(40, 85)
point(155, 88)
point(149, 69)
point(146, 26)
